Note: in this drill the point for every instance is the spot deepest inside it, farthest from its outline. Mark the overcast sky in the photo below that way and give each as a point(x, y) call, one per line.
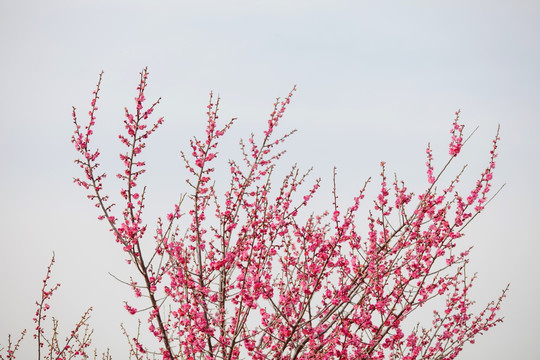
point(376, 81)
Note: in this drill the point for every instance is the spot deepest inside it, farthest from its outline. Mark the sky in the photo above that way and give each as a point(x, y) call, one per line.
point(376, 81)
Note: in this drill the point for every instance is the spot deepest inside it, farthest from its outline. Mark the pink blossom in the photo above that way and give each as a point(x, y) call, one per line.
point(242, 267)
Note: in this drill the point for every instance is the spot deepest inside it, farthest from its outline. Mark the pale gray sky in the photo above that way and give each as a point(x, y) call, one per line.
point(376, 81)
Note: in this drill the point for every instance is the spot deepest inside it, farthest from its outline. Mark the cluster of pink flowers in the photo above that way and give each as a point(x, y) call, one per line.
point(457, 136)
point(246, 277)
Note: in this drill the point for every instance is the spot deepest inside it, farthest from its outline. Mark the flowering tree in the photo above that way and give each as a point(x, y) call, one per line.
point(236, 273)
point(72, 346)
